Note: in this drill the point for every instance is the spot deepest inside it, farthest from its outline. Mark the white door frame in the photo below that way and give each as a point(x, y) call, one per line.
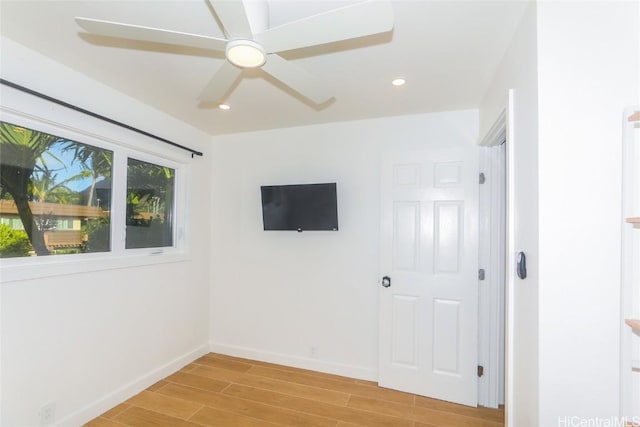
point(511, 266)
point(503, 130)
point(491, 292)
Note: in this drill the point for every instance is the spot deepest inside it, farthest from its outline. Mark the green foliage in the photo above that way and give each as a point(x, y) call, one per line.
point(20, 149)
point(149, 188)
point(22, 145)
point(13, 243)
point(46, 187)
point(98, 235)
point(96, 161)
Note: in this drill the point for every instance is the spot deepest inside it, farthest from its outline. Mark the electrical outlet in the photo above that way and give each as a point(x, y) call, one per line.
point(47, 414)
point(314, 352)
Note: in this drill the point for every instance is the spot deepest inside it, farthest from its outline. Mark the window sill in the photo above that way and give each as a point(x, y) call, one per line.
point(19, 269)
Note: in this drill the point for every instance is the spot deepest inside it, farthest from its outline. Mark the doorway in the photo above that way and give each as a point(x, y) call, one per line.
point(492, 262)
point(429, 195)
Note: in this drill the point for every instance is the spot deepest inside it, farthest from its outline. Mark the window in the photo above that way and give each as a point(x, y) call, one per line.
point(62, 195)
point(150, 190)
point(48, 194)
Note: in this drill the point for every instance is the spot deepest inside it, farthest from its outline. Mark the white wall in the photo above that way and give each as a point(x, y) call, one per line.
point(518, 71)
point(275, 295)
point(588, 72)
point(88, 341)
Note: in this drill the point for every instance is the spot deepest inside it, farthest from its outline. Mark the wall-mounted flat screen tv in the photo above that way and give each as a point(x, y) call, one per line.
point(300, 207)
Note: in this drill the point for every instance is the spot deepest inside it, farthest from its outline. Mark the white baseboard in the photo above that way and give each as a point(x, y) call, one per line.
point(92, 410)
point(296, 361)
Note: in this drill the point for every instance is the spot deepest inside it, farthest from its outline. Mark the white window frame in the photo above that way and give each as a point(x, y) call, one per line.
point(123, 144)
point(177, 203)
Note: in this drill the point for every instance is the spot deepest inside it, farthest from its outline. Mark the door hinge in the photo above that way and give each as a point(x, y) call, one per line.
point(481, 274)
point(480, 371)
point(482, 178)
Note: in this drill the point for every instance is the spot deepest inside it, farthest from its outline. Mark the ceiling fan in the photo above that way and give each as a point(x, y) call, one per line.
point(247, 47)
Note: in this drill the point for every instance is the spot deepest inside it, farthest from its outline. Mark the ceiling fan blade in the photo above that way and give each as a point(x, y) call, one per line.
point(296, 78)
point(233, 17)
point(220, 83)
point(148, 34)
point(357, 20)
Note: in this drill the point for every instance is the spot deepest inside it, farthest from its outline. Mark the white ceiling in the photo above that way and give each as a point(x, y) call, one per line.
point(447, 50)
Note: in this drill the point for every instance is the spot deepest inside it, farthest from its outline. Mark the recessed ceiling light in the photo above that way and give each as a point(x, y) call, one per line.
point(224, 107)
point(398, 82)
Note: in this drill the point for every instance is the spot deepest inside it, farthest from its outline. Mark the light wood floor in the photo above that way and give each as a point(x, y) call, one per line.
point(218, 390)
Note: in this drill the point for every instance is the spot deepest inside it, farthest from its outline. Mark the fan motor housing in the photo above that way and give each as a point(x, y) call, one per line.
point(245, 53)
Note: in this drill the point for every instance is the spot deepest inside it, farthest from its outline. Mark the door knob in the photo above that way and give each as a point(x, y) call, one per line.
point(386, 281)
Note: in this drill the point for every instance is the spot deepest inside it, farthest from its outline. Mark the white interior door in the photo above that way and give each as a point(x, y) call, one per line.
point(429, 313)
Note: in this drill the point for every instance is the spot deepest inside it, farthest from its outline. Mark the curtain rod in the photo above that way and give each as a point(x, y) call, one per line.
point(97, 116)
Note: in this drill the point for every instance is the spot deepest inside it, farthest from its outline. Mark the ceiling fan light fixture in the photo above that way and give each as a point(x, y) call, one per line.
point(245, 53)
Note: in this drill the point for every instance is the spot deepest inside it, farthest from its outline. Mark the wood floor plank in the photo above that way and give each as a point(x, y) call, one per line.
point(449, 419)
point(419, 424)
point(326, 410)
point(111, 413)
point(294, 389)
point(330, 384)
point(196, 381)
point(217, 418)
point(139, 417)
point(381, 407)
point(259, 410)
point(189, 367)
point(285, 368)
point(157, 385)
point(231, 365)
point(212, 400)
point(489, 414)
point(164, 404)
point(364, 382)
point(102, 422)
point(216, 373)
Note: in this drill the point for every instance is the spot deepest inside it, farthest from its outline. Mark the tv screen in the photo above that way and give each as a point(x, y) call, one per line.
point(300, 207)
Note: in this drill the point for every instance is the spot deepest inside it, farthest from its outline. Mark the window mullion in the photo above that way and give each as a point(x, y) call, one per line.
point(119, 206)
